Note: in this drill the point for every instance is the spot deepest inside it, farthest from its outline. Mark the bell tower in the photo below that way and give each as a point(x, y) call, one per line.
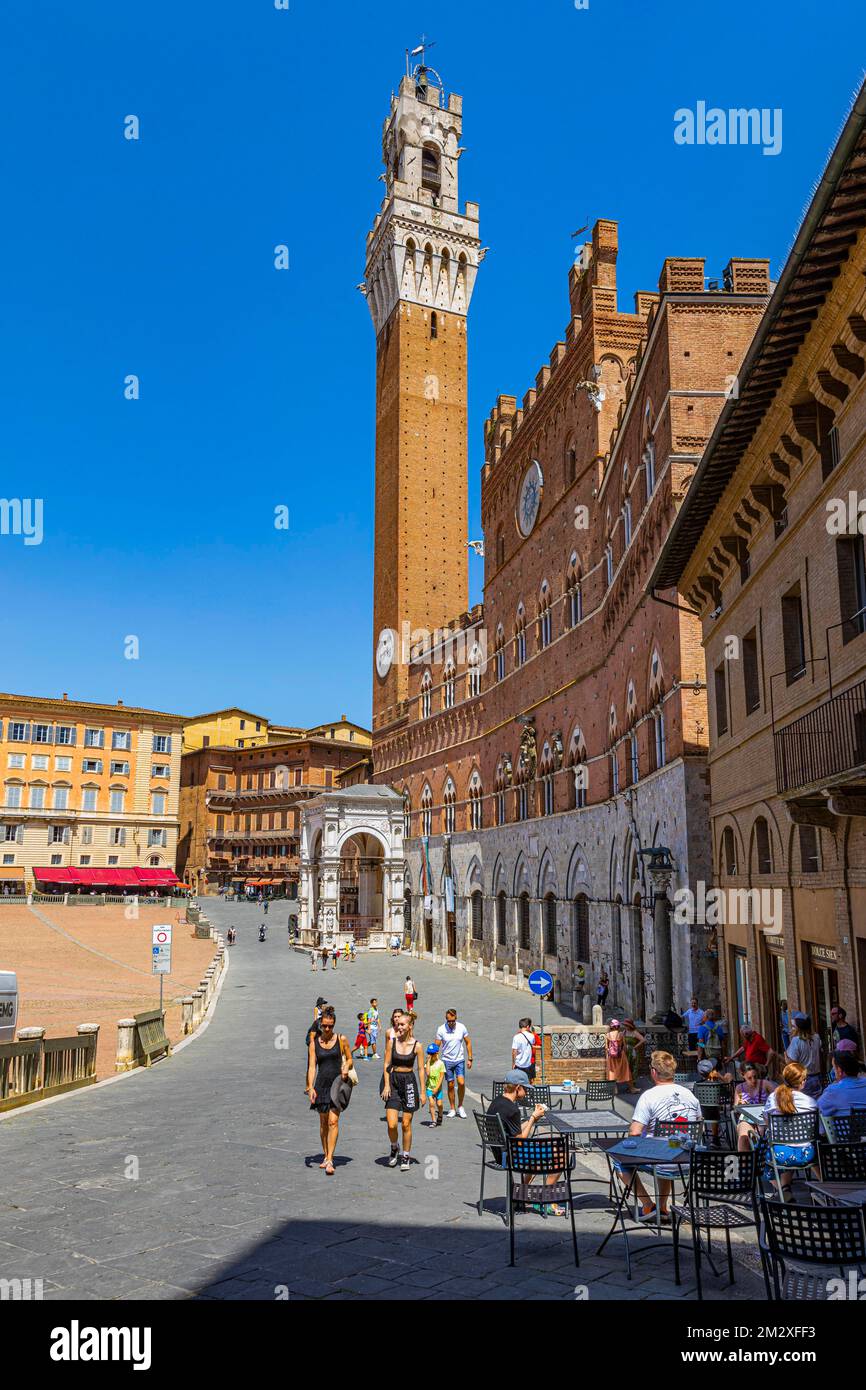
point(422, 258)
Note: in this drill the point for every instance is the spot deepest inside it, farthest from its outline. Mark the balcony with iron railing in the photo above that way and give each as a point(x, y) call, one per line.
point(826, 745)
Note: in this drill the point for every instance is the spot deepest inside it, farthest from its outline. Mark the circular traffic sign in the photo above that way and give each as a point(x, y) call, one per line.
point(540, 982)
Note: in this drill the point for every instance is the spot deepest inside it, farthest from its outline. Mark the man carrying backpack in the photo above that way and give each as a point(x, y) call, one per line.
point(711, 1039)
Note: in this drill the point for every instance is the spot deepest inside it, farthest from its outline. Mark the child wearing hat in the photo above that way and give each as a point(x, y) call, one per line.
point(435, 1077)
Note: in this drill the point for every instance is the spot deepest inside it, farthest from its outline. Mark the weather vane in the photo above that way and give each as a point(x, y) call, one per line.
point(423, 45)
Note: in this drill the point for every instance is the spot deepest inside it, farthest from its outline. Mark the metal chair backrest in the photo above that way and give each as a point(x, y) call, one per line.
point(685, 1078)
point(801, 1128)
point(685, 1129)
point(490, 1129)
point(599, 1090)
point(541, 1154)
point(722, 1176)
point(498, 1088)
point(537, 1095)
point(815, 1235)
point(843, 1162)
point(845, 1129)
point(712, 1093)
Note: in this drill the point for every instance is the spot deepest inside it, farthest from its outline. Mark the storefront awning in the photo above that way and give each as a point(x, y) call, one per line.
point(9, 871)
point(153, 878)
point(87, 877)
point(55, 875)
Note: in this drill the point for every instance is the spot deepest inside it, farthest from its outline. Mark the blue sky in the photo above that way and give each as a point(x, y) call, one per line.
point(155, 257)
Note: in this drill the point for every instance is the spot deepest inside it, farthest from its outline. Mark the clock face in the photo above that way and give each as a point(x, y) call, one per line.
point(529, 498)
point(385, 652)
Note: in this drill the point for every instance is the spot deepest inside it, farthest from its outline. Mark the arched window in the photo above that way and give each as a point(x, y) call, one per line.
point(502, 784)
point(523, 921)
point(648, 456)
point(608, 564)
point(426, 695)
point(430, 175)
point(626, 522)
point(407, 813)
point(501, 927)
point(729, 853)
point(448, 684)
point(449, 801)
point(499, 653)
point(550, 942)
point(763, 852)
point(426, 811)
point(544, 619)
point(476, 802)
point(546, 774)
point(570, 464)
point(477, 914)
point(573, 594)
point(474, 679)
point(581, 927)
point(520, 637)
point(579, 779)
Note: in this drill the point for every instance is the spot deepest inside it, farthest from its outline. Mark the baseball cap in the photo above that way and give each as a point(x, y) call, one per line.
point(706, 1066)
point(432, 1048)
point(846, 1045)
point(516, 1078)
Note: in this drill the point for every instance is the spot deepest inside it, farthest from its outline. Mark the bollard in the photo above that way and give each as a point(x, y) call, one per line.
point(586, 1009)
point(125, 1059)
point(597, 1016)
point(505, 979)
point(87, 1030)
point(186, 1014)
point(520, 979)
point(197, 1006)
point(480, 967)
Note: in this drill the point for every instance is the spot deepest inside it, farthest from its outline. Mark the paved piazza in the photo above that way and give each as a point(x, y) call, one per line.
point(229, 1202)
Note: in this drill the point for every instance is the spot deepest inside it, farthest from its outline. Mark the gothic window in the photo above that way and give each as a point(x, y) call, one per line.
point(581, 927)
point(626, 522)
point(520, 637)
point(608, 564)
point(500, 654)
point(450, 807)
point(546, 772)
point(426, 811)
point(616, 925)
point(550, 924)
point(579, 778)
point(659, 738)
point(430, 175)
point(544, 619)
point(448, 685)
point(426, 695)
point(573, 594)
point(434, 326)
point(501, 936)
point(407, 813)
point(475, 802)
point(474, 680)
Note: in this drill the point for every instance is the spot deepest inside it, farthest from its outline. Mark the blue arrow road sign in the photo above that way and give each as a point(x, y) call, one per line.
point(540, 982)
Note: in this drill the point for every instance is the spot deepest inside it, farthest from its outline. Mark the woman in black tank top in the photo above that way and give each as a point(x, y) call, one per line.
point(328, 1058)
point(401, 1089)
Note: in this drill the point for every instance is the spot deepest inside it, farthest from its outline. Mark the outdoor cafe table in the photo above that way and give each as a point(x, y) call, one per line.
point(839, 1194)
point(644, 1152)
point(571, 1091)
point(575, 1121)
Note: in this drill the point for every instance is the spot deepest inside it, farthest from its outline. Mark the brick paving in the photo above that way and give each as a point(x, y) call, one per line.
point(224, 1198)
point(92, 965)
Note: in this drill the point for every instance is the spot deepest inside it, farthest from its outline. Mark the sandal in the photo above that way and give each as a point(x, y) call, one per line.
point(329, 1169)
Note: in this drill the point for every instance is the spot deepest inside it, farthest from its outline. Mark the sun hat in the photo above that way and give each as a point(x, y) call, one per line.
point(614, 1023)
point(516, 1078)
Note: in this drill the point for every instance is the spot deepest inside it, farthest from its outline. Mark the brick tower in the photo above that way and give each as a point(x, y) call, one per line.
point(422, 259)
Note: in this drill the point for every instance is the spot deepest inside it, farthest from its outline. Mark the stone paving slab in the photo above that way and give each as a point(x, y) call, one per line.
point(230, 1203)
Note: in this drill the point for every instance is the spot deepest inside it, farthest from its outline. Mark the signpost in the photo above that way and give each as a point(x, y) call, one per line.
point(161, 956)
point(541, 984)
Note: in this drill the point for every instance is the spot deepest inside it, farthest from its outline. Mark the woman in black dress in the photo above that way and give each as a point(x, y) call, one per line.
point(329, 1058)
point(401, 1089)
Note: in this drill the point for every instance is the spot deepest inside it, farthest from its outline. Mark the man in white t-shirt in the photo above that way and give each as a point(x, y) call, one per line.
point(665, 1101)
point(523, 1048)
point(455, 1050)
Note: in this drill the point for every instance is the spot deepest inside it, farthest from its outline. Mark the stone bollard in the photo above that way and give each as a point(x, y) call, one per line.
point(493, 970)
point(197, 1006)
point(587, 1008)
point(125, 1059)
point(31, 1066)
point(597, 1016)
point(87, 1030)
point(480, 967)
point(505, 974)
point(186, 1014)
point(520, 981)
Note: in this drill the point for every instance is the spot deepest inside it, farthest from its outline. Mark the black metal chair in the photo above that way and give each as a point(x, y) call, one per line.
point(685, 1078)
point(797, 1130)
point(534, 1158)
point(842, 1162)
point(596, 1091)
point(820, 1238)
point(535, 1095)
point(845, 1129)
point(492, 1134)
point(679, 1129)
point(720, 1195)
point(716, 1095)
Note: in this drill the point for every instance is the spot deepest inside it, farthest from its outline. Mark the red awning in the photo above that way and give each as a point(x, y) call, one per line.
point(55, 875)
point(153, 877)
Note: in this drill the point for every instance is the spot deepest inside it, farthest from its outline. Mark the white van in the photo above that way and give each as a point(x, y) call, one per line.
point(8, 1005)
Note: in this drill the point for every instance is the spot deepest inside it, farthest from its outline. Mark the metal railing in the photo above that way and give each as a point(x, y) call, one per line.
point(824, 743)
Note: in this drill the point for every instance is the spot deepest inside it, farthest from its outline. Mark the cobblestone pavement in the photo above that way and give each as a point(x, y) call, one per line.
point(199, 1178)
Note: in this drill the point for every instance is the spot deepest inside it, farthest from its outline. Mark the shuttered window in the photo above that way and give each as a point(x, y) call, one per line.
point(852, 586)
point(721, 700)
point(751, 684)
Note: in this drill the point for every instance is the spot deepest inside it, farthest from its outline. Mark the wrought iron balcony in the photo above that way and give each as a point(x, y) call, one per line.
point(824, 746)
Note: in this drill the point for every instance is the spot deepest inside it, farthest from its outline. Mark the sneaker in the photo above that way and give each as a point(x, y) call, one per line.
point(647, 1215)
point(394, 1159)
point(404, 1163)
point(462, 1113)
point(452, 1114)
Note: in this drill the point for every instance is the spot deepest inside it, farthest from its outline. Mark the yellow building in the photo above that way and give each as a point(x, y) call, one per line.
point(87, 787)
point(342, 729)
point(226, 728)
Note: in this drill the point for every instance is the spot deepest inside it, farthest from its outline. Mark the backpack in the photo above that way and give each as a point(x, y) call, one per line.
point(712, 1044)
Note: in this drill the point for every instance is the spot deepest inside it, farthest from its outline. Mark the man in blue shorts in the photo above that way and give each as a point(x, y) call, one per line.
point(455, 1050)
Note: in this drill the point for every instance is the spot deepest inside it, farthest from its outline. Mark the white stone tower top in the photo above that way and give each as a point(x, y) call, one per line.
point(422, 249)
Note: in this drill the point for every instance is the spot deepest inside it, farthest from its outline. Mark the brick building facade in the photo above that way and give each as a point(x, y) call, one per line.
point(768, 548)
point(544, 739)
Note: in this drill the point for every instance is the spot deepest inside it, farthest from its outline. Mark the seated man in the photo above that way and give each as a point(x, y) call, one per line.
point(753, 1048)
point(847, 1090)
point(507, 1107)
point(663, 1101)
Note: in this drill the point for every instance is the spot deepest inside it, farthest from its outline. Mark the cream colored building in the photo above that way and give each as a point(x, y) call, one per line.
point(226, 728)
point(86, 787)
